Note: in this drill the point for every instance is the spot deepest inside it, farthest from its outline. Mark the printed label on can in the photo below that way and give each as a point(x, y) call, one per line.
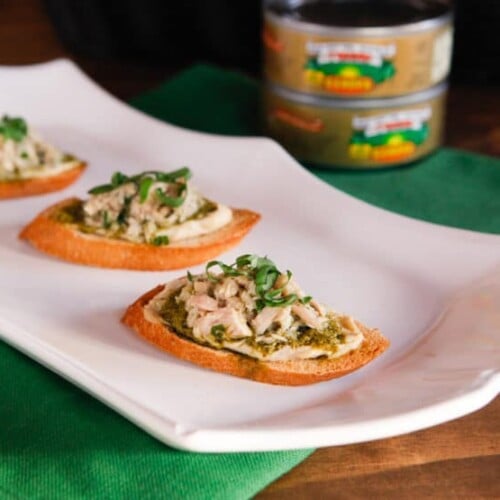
point(389, 137)
point(377, 137)
point(356, 66)
point(310, 124)
point(348, 68)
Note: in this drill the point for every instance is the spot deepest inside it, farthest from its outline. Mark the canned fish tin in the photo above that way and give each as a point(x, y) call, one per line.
point(357, 48)
point(350, 133)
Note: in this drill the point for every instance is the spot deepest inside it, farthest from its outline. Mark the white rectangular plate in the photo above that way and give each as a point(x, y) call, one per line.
point(434, 291)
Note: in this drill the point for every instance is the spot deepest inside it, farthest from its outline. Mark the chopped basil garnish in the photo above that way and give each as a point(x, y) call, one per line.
point(117, 180)
point(123, 215)
point(160, 241)
point(264, 273)
point(172, 201)
point(101, 189)
point(182, 173)
point(144, 181)
point(144, 186)
point(106, 223)
point(141, 189)
point(227, 270)
point(13, 128)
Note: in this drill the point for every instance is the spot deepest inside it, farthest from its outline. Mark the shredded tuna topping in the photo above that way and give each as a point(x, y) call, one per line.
point(24, 154)
point(152, 207)
point(256, 310)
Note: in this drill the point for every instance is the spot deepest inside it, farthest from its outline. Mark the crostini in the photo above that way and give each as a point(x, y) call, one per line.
point(29, 165)
point(253, 321)
point(150, 221)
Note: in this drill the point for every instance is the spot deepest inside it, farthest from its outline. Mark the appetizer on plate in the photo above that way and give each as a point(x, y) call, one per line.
point(253, 321)
point(29, 165)
point(150, 221)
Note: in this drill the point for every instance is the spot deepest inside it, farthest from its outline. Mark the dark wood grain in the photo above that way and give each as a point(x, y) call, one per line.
point(460, 459)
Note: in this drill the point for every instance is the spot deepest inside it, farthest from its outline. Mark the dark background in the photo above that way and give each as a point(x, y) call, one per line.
point(130, 51)
point(227, 32)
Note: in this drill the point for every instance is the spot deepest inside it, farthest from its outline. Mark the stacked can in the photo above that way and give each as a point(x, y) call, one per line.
point(357, 83)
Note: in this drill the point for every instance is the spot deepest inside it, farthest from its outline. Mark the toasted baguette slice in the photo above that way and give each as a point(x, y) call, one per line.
point(65, 241)
point(294, 372)
point(40, 185)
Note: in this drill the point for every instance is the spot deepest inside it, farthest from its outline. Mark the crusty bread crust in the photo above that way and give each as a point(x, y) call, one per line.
point(295, 372)
point(65, 241)
point(40, 185)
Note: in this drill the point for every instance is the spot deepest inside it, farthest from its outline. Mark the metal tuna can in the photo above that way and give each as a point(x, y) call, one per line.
point(361, 49)
point(349, 133)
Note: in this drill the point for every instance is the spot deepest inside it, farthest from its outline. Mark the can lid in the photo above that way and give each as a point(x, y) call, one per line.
point(359, 18)
point(332, 102)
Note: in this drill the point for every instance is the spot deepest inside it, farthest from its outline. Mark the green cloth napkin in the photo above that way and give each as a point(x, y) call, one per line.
point(58, 442)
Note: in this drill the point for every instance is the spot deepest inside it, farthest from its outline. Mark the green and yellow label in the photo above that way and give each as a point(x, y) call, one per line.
point(390, 137)
point(348, 68)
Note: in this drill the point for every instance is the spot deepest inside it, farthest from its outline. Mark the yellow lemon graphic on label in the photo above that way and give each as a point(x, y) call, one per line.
point(349, 72)
point(395, 140)
point(360, 151)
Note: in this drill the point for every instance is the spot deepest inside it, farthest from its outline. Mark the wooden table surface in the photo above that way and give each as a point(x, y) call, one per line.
point(460, 459)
